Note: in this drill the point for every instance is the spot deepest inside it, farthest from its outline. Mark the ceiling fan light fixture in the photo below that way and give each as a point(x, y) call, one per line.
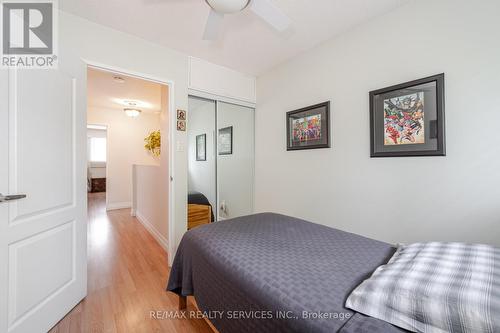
point(265, 9)
point(228, 6)
point(133, 113)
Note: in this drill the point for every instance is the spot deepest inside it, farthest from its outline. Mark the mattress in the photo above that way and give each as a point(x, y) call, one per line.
point(273, 273)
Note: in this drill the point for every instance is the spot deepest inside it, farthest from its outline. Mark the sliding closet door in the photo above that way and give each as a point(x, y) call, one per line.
point(201, 149)
point(235, 160)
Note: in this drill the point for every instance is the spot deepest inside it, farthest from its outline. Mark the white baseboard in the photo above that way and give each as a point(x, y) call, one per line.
point(118, 205)
point(152, 230)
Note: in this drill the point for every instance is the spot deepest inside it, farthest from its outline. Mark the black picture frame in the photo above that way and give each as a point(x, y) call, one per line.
point(430, 92)
point(324, 139)
point(201, 156)
point(225, 145)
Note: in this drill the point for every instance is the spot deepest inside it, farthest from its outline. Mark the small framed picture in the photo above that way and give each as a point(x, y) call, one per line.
point(226, 141)
point(201, 147)
point(308, 128)
point(408, 119)
point(181, 125)
point(181, 115)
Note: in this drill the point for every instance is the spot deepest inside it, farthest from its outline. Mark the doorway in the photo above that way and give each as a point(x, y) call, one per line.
point(47, 227)
point(127, 244)
point(96, 158)
point(136, 111)
point(131, 111)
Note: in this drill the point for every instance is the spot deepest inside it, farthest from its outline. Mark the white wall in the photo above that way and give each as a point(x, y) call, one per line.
point(456, 197)
point(201, 120)
point(125, 147)
point(148, 200)
point(101, 45)
point(150, 192)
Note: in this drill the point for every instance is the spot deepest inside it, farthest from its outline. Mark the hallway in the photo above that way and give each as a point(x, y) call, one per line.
point(127, 275)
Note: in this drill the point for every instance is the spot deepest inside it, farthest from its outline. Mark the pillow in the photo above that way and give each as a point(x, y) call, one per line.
point(435, 287)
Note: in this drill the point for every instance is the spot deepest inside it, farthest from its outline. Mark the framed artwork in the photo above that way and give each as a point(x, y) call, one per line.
point(181, 125)
point(181, 115)
point(201, 147)
point(408, 119)
point(308, 128)
point(226, 141)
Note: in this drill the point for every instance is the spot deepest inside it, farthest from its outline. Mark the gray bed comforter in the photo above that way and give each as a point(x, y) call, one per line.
point(274, 273)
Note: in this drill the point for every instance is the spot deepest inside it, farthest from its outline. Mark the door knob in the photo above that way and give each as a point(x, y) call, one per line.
point(4, 198)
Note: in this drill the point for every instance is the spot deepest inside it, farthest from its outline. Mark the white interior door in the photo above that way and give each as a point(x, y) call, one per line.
point(42, 237)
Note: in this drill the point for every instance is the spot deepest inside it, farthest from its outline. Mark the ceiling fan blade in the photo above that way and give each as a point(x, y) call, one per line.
point(213, 26)
point(270, 13)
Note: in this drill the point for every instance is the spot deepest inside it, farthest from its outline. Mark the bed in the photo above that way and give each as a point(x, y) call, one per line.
point(200, 211)
point(301, 287)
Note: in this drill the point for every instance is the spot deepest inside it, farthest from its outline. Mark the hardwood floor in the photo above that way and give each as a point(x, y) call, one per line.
point(127, 275)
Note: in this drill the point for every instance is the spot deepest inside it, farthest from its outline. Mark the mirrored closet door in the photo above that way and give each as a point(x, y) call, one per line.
point(221, 160)
point(235, 160)
point(202, 186)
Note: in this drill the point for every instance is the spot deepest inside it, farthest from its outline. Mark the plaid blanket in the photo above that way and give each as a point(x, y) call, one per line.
point(435, 287)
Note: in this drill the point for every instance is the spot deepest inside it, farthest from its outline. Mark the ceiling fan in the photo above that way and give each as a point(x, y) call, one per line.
point(265, 9)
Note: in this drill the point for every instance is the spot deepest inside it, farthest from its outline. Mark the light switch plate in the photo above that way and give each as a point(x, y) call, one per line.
point(180, 146)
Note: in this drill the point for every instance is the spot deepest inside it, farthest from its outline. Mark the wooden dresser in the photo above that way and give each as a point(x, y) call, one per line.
point(198, 215)
point(98, 185)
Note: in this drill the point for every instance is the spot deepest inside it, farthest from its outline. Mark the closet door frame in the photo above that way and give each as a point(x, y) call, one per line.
point(218, 99)
point(214, 152)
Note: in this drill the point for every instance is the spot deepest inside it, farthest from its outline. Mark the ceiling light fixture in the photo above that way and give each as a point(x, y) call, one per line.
point(118, 79)
point(133, 103)
point(133, 113)
point(228, 6)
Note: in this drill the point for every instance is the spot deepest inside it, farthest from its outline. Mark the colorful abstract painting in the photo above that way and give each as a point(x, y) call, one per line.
point(404, 120)
point(307, 128)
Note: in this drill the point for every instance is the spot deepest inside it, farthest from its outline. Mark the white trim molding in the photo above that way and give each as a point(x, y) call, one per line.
point(206, 95)
point(152, 230)
point(118, 205)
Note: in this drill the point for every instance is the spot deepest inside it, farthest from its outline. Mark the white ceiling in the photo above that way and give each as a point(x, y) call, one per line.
point(247, 44)
point(105, 93)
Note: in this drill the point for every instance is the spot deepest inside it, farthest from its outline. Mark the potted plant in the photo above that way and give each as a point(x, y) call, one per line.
point(153, 143)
